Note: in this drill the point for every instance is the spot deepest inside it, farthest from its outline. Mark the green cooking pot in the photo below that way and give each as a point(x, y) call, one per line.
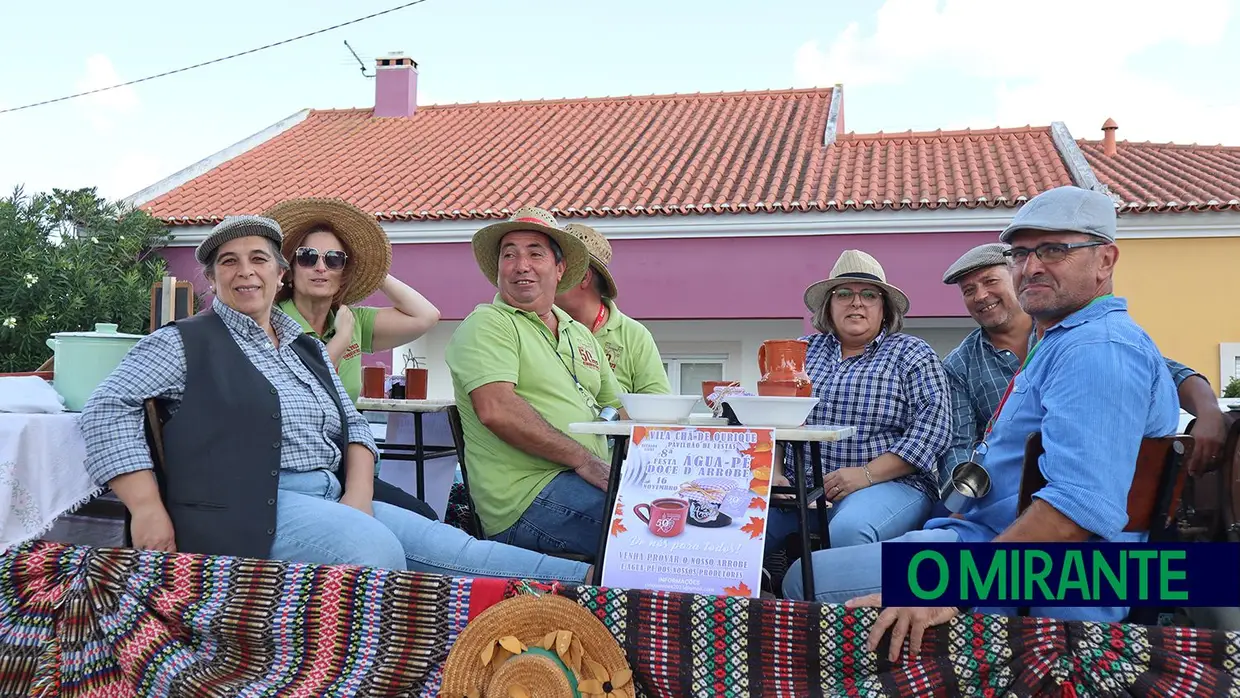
point(84, 359)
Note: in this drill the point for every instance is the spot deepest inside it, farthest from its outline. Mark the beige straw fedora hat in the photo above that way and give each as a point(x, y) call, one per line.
point(600, 253)
point(542, 646)
point(532, 219)
point(854, 266)
point(368, 247)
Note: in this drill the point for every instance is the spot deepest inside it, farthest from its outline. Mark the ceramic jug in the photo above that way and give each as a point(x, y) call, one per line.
point(782, 363)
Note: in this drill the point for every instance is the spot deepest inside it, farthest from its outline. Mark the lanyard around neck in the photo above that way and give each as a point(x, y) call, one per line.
point(1028, 357)
point(581, 389)
point(598, 321)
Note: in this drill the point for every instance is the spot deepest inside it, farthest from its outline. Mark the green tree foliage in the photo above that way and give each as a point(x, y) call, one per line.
point(1233, 388)
point(72, 259)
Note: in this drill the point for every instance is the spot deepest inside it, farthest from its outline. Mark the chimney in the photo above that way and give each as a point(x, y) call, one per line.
point(1108, 137)
point(396, 86)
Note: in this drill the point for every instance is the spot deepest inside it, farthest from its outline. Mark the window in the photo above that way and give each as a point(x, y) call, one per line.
point(687, 372)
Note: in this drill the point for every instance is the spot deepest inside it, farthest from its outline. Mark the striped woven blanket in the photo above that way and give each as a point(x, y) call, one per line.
point(77, 621)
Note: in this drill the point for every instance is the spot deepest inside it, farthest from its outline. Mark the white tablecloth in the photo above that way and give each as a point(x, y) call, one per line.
point(42, 473)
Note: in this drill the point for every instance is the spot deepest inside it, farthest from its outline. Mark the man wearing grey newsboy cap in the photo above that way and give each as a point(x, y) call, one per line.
point(1094, 385)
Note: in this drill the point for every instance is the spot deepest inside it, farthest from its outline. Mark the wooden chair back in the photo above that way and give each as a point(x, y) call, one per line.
point(1157, 485)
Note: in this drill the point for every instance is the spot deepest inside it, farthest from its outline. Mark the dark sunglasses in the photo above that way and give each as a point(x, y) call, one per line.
point(308, 257)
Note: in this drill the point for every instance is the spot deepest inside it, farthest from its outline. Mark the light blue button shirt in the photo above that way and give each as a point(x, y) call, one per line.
point(1095, 388)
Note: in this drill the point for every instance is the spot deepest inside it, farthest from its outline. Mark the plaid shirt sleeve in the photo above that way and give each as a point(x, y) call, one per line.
point(359, 428)
point(929, 397)
point(1180, 372)
point(113, 420)
point(964, 427)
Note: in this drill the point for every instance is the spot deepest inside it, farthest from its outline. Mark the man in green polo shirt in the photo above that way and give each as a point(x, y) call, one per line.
point(523, 370)
point(628, 345)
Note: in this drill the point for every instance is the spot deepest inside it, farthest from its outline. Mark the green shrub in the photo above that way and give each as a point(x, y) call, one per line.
point(1232, 389)
point(72, 259)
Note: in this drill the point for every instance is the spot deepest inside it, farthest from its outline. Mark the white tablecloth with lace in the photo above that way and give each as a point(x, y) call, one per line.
point(42, 473)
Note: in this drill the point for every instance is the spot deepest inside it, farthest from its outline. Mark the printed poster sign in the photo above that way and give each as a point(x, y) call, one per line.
point(690, 512)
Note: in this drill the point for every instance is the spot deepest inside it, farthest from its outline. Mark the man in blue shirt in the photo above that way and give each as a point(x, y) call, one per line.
point(1094, 385)
point(981, 367)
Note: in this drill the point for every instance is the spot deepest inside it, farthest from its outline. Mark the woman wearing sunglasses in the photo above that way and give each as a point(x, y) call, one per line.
point(339, 255)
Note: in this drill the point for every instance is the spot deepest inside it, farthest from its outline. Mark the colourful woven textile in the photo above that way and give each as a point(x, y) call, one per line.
point(80, 621)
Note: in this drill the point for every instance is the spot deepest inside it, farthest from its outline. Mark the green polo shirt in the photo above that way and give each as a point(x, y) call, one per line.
point(350, 368)
point(632, 353)
point(499, 343)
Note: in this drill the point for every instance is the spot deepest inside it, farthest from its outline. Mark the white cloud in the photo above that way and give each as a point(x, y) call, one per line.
point(1053, 60)
point(101, 108)
point(132, 172)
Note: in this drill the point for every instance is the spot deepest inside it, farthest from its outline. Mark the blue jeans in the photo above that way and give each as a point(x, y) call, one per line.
point(313, 526)
point(566, 517)
point(841, 574)
point(869, 515)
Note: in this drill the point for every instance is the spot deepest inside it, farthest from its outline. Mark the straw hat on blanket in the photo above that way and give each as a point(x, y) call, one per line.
point(545, 646)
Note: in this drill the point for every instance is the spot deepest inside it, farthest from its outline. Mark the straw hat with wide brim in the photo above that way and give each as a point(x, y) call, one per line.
point(854, 266)
point(369, 249)
point(535, 220)
point(600, 254)
point(545, 646)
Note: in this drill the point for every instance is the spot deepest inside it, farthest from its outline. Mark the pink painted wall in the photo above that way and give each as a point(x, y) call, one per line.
point(675, 279)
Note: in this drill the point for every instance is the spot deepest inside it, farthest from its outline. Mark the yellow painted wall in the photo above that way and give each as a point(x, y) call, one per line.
point(1179, 291)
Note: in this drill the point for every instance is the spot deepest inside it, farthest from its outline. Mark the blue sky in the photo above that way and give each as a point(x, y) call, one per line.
point(1164, 71)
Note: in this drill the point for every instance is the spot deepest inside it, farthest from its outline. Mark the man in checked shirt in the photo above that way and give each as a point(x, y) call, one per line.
point(981, 367)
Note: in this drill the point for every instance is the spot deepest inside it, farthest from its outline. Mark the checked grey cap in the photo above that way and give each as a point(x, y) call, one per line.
point(234, 227)
point(1066, 209)
point(980, 257)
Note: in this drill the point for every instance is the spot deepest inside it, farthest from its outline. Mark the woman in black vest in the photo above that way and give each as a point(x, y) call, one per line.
point(264, 454)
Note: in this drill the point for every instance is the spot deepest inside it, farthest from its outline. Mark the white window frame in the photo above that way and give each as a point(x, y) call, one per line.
point(1228, 353)
point(672, 362)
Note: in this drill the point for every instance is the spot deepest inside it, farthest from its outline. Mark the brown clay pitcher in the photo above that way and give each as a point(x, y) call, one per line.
point(782, 363)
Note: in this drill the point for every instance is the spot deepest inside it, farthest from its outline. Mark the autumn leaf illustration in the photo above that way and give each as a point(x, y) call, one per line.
point(757, 503)
point(741, 589)
point(619, 506)
point(759, 486)
point(762, 473)
point(754, 527)
point(617, 527)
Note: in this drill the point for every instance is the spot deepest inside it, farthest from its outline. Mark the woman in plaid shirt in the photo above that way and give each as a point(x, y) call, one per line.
point(892, 387)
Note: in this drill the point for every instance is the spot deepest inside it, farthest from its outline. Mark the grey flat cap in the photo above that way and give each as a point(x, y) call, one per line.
point(980, 257)
point(1066, 209)
point(234, 227)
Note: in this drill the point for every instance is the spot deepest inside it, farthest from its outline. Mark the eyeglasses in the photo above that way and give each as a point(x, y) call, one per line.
point(868, 296)
point(308, 257)
point(1049, 252)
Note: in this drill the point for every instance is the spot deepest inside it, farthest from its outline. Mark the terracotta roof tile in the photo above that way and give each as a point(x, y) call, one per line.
point(1161, 177)
point(656, 155)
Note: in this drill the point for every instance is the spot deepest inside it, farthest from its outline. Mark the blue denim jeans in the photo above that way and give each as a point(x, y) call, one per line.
point(841, 574)
point(870, 515)
point(566, 517)
point(313, 526)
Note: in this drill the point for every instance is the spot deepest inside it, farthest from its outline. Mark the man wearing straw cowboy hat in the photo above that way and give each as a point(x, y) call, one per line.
point(1094, 385)
point(523, 370)
point(981, 367)
point(628, 345)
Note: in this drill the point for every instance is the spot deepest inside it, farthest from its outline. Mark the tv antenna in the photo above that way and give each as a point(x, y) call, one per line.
point(359, 60)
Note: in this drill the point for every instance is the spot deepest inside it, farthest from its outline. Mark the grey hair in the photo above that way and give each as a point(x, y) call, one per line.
point(893, 321)
point(208, 267)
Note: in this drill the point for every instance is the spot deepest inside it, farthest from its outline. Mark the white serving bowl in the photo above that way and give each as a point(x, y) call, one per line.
point(771, 411)
point(662, 409)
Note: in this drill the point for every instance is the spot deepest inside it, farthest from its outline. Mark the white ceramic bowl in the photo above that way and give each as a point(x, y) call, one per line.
point(771, 411)
point(661, 409)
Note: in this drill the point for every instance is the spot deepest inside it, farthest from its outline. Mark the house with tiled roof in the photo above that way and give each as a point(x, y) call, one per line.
point(721, 208)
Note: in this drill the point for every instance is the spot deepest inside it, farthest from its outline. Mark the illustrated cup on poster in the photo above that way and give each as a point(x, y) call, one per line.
point(664, 517)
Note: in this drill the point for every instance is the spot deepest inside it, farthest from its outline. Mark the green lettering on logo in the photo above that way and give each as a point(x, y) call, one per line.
point(1073, 576)
point(1165, 574)
point(1037, 576)
point(1143, 558)
point(1102, 568)
point(970, 576)
point(944, 577)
